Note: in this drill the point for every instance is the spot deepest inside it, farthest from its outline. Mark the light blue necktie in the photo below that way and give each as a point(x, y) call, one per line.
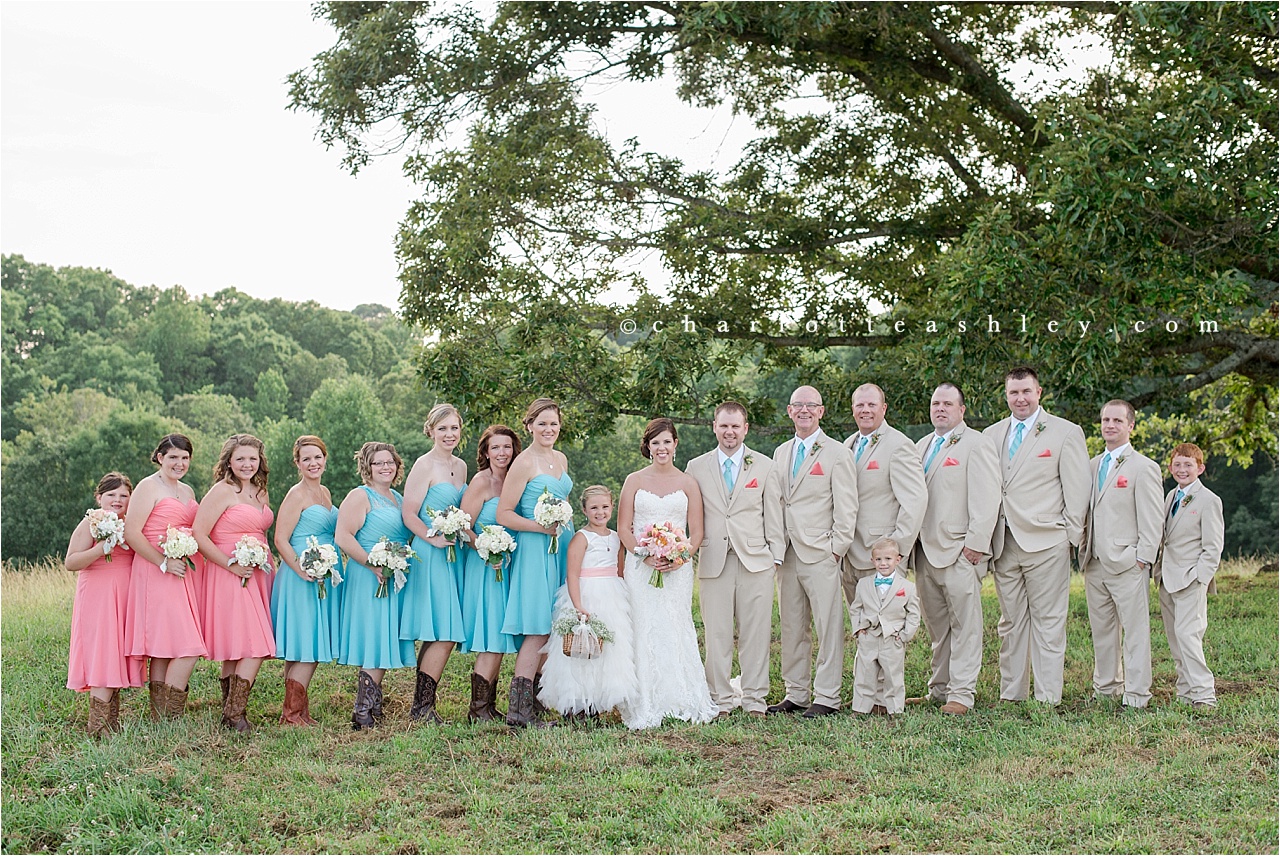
point(1177, 501)
point(728, 474)
point(937, 444)
point(1017, 440)
point(1103, 470)
point(862, 445)
point(795, 467)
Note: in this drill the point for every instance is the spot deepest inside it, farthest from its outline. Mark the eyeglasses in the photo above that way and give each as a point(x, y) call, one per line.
point(805, 405)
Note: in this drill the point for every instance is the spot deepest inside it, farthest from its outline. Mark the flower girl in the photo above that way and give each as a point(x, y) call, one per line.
point(589, 667)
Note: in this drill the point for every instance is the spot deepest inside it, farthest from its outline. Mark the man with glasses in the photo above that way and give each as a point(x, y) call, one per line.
point(817, 488)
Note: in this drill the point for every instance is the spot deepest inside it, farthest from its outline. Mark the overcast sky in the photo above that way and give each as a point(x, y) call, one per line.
point(152, 139)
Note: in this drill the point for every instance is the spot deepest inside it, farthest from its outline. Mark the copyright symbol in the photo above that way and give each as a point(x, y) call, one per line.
point(627, 327)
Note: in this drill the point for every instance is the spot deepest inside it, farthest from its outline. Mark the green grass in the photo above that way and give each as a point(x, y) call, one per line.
point(1007, 778)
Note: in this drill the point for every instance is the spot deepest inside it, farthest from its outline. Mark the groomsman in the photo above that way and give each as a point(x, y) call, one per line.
point(816, 487)
point(1045, 495)
point(891, 491)
point(962, 473)
point(742, 540)
point(1121, 538)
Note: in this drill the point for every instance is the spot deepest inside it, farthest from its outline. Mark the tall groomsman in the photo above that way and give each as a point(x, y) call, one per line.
point(891, 491)
point(736, 562)
point(816, 487)
point(1121, 539)
point(1045, 495)
point(962, 473)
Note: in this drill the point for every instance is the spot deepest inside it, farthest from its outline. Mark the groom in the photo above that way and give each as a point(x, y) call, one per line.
point(816, 486)
point(742, 538)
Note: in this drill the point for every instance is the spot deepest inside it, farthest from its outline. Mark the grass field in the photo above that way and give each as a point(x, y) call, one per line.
point(1007, 778)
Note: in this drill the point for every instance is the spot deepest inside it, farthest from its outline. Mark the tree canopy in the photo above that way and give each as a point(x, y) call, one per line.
point(920, 173)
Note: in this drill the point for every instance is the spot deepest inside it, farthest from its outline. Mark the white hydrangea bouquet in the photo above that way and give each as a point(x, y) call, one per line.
point(449, 523)
point(178, 543)
point(582, 636)
point(495, 545)
point(394, 557)
point(250, 553)
point(552, 511)
point(107, 529)
point(320, 561)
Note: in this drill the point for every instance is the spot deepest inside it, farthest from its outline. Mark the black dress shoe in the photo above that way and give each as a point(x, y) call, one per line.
point(784, 706)
point(817, 710)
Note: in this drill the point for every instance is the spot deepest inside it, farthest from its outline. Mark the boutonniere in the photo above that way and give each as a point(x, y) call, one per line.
point(1120, 460)
point(1186, 500)
point(817, 447)
point(875, 438)
point(955, 438)
point(746, 462)
point(1040, 426)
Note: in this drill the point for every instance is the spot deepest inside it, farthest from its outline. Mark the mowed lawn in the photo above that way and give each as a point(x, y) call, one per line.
point(1007, 778)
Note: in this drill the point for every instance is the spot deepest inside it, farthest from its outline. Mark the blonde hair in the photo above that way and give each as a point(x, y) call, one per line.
point(886, 542)
point(437, 414)
point(222, 469)
point(594, 490)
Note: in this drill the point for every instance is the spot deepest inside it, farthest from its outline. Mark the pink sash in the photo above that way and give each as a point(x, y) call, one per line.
point(598, 572)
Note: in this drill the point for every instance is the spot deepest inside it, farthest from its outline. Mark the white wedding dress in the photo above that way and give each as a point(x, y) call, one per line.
point(670, 680)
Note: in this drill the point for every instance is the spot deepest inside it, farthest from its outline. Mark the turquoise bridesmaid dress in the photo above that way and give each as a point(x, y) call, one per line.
point(430, 606)
point(301, 619)
point(535, 573)
point(371, 625)
point(484, 599)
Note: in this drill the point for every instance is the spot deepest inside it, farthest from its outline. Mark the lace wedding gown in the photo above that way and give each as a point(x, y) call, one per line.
point(670, 680)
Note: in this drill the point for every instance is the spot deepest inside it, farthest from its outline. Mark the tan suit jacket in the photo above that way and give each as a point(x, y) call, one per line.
point(891, 494)
point(1124, 524)
point(898, 611)
point(964, 496)
point(743, 520)
point(819, 506)
point(1193, 539)
point(1045, 493)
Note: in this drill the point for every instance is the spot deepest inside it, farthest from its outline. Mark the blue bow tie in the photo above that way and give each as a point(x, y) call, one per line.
point(884, 581)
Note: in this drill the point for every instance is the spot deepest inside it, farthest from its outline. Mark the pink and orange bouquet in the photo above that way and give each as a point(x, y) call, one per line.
point(251, 553)
point(664, 541)
point(107, 529)
point(178, 543)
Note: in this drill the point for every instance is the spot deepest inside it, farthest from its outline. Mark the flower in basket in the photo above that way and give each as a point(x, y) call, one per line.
point(495, 544)
point(106, 528)
point(582, 635)
point(552, 511)
point(319, 561)
point(449, 523)
point(394, 557)
point(178, 543)
point(250, 553)
point(664, 541)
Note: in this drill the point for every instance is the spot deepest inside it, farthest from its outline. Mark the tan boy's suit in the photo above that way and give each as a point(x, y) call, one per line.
point(1123, 528)
point(891, 499)
point(963, 480)
point(890, 616)
point(819, 507)
point(736, 573)
point(1191, 551)
point(1045, 495)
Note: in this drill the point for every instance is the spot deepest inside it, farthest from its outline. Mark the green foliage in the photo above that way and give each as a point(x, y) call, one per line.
point(906, 168)
point(270, 396)
point(345, 414)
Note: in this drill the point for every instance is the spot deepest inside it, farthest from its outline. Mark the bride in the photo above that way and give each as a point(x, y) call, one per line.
point(670, 680)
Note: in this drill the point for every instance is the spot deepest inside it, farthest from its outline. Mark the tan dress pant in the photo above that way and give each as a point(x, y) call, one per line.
point(878, 669)
point(810, 595)
point(951, 600)
point(1186, 616)
point(1033, 589)
point(747, 596)
point(1120, 621)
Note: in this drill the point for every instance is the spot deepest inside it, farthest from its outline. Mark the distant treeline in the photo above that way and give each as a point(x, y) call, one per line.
point(96, 370)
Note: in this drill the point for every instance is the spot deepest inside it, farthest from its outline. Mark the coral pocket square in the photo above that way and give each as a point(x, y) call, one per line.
point(1045, 454)
point(900, 593)
point(817, 470)
point(753, 483)
point(874, 465)
point(951, 462)
point(1121, 481)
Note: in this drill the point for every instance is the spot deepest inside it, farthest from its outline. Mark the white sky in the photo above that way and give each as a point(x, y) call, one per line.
point(152, 139)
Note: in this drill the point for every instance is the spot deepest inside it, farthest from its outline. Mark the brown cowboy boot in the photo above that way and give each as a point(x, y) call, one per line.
point(294, 699)
point(306, 708)
point(158, 692)
point(482, 693)
point(424, 700)
point(99, 714)
point(113, 713)
point(362, 716)
point(176, 702)
point(237, 700)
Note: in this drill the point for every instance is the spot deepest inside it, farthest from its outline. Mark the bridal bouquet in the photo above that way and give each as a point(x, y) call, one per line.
point(106, 528)
point(552, 511)
point(664, 541)
point(583, 636)
point(178, 543)
point(319, 561)
point(449, 523)
point(495, 544)
point(392, 556)
point(250, 553)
